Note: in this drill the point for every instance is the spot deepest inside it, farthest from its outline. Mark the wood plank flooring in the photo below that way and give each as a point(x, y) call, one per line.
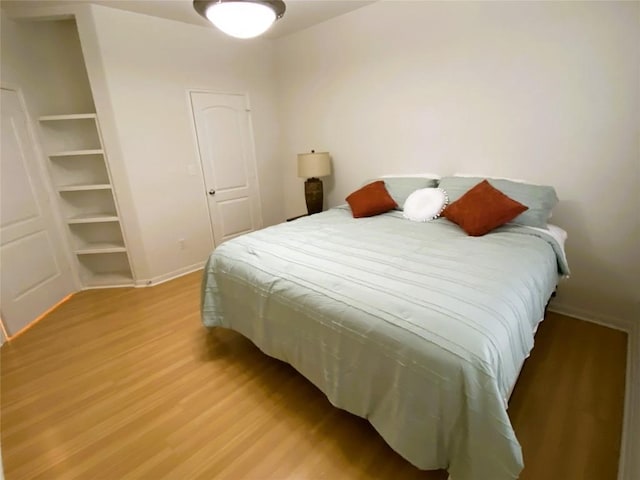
point(127, 384)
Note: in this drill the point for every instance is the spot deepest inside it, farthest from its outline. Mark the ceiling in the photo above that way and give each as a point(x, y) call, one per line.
point(300, 14)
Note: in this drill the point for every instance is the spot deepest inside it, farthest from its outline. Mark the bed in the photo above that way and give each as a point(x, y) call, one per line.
point(415, 326)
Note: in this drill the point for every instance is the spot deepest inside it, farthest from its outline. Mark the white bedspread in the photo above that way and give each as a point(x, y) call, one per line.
point(417, 327)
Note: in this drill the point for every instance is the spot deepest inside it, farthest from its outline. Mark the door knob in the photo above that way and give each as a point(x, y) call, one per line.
point(212, 192)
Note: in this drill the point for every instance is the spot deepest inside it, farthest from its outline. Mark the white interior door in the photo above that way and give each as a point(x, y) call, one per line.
point(225, 141)
point(34, 271)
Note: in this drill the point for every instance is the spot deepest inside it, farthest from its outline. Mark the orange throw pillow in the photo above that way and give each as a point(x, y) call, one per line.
point(372, 199)
point(482, 209)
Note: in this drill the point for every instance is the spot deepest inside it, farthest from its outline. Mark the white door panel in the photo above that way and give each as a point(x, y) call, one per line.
point(225, 142)
point(236, 216)
point(31, 261)
point(14, 182)
point(228, 157)
point(34, 272)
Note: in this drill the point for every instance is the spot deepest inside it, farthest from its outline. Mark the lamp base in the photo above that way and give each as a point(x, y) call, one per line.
point(313, 195)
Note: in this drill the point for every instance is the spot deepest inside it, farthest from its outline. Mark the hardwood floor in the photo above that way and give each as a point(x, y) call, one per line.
point(127, 384)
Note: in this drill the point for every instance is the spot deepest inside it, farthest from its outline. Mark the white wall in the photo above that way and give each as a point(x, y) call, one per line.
point(45, 60)
point(544, 91)
point(141, 69)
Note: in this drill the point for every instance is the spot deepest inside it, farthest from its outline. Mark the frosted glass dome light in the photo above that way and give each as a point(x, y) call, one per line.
point(241, 18)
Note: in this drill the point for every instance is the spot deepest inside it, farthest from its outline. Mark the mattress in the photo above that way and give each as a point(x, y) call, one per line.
point(416, 327)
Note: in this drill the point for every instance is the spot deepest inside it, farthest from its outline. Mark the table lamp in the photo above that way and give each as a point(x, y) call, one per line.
point(311, 166)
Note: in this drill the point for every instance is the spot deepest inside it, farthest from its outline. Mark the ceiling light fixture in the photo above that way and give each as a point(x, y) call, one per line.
point(241, 18)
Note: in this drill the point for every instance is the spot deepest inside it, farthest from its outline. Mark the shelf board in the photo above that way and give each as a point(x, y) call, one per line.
point(101, 247)
point(110, 279)
point(72, 116)
point(84, 188)
point(77, 153)
point(93, 218)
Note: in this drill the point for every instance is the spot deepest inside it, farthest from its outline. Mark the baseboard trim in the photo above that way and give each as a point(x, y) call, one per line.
point(169, 276)
point(588, 316)
point(629, 464)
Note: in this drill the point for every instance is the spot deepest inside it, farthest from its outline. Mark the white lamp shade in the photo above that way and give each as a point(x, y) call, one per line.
point(315, 164)
point(241, 19)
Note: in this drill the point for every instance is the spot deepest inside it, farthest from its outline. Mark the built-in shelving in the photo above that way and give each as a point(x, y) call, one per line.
point(104, 247)
point(72, 116)
point(93, 218)
point(84, 188)
point(80, 175)
point(105, 269)
point(77, 153)
point(105, 280)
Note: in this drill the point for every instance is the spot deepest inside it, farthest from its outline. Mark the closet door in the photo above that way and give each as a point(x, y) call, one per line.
point(35, 273)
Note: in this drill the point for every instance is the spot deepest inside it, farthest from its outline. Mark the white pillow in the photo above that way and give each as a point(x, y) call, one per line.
point(425, 204)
